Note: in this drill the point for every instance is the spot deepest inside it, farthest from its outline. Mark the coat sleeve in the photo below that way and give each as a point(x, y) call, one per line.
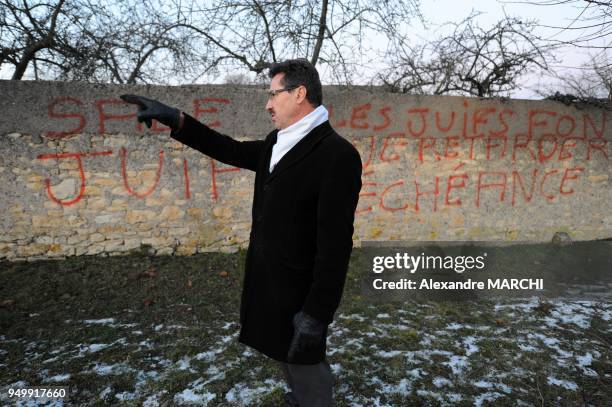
point(336, 206)
point(243, 154)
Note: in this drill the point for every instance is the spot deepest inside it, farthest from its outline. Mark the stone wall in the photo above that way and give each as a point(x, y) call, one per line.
point(82, 177)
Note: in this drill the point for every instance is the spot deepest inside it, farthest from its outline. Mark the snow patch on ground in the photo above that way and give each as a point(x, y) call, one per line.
point(490, 396)
point(457, 363)
point(103, 321)
point(388, 354)
point(440, 381)
point(189, 397)
point(469, 343)
point(243, 395)
point(404, 387)
point(584, 361)
point(58, 378)
point(455, 345)
point(567, 384)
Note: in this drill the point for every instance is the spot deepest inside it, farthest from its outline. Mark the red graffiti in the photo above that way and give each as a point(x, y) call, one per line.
point(407, 137)
point(482, 185)
point(480, 118)
point(451, 142)
point(78, 157)
point(125, 178)
point(214, 171)
point(365, 193)
point(445, 129)
point(370, 148)
point(567, 177)
point(422, 120)
point(597, 144)
point(51, 109)
point(492, 186)
point(197, 109)
point(450, 185)
point(399, 140)
point(103, 116)
point(358, 115)
point(384, 112)
point(517, 179)
point(186, 177)
point(427, 144)
point(420, 193)
point(382, 198)
point(113, 110)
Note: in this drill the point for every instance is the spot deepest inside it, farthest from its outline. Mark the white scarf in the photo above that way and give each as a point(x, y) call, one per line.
point(290, 136)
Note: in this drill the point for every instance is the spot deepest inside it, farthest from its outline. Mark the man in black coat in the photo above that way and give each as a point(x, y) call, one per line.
point(307, 186)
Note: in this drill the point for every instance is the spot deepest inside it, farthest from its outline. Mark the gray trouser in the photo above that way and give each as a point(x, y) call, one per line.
point(311, 384)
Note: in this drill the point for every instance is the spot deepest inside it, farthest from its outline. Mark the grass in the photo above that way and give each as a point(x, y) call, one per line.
point(138, 329)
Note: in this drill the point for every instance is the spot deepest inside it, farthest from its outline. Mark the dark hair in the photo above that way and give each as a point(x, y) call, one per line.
point(300, 72)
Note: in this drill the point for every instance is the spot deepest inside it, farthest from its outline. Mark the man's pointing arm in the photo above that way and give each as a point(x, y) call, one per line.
point(189, 131)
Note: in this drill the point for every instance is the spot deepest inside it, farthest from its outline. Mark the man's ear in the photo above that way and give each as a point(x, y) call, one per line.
point(301, 96)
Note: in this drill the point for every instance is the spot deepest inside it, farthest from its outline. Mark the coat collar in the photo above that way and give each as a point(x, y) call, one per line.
point(301, 149)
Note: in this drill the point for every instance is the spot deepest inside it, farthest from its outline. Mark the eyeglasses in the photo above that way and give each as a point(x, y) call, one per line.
point(273, 92)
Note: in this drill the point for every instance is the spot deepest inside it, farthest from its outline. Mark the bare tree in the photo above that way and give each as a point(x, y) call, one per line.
point(590, 28)
point(127, 43)
point(592, 22)
point(251, 34)
point(592, 82)
point(28, 31)
point(469, 61)
point(124, 42)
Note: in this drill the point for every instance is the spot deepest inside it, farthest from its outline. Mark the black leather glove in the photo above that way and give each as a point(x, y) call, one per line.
point(308, 335)
point(149, 109)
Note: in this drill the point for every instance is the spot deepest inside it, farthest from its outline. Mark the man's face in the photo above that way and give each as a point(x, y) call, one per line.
point(283, 107)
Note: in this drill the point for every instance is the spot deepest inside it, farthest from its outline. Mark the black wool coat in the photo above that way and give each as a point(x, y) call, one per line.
point(301, 233)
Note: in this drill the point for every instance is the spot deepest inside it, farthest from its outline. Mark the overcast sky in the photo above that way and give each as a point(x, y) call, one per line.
point(570, 59)
point(438, 12)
